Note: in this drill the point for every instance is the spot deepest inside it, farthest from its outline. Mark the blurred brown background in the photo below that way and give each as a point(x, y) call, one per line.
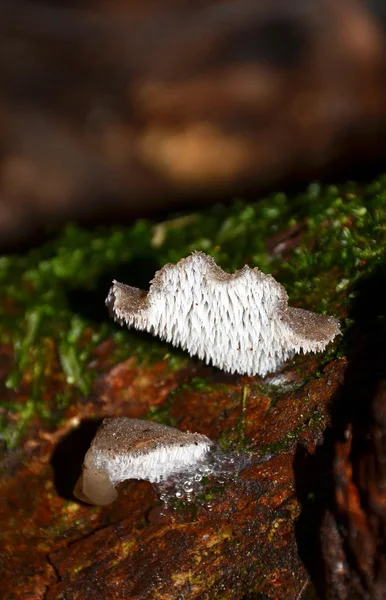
point(117, 108)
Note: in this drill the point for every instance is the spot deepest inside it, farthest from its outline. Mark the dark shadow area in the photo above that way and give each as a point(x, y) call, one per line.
point(316, 481)
point(309, 593)
point(90, 304)
point(282, 41)
point(314, 488)
point(378, 9)
point(109, 211)
point(68, 456)
point(255, 596)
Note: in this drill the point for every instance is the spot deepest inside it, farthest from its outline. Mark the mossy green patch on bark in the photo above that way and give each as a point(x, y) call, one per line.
point(318, 244)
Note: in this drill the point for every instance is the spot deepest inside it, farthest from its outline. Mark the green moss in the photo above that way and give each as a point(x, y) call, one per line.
point(12, 433)
point(235, 439)
point(283, 444)
point(202, 384)
point(340, 231)
point(161, 414)
point(199, 384)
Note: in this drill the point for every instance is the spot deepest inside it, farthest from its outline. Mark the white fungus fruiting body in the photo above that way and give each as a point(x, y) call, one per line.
point(126, 448)
point(240, 323)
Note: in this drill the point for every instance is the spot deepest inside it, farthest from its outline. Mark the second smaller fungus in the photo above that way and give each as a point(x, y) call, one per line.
point(125, 448)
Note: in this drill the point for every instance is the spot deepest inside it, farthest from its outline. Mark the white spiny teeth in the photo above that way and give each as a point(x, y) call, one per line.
point(220, 317)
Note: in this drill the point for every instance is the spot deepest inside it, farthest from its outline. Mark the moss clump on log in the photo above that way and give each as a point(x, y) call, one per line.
point(318, 244)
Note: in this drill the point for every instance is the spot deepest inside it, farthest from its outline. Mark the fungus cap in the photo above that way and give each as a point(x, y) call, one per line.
point(126, 448)
point(240, 323)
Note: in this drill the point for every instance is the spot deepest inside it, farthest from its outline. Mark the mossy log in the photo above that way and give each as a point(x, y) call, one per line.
point(65, 365)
